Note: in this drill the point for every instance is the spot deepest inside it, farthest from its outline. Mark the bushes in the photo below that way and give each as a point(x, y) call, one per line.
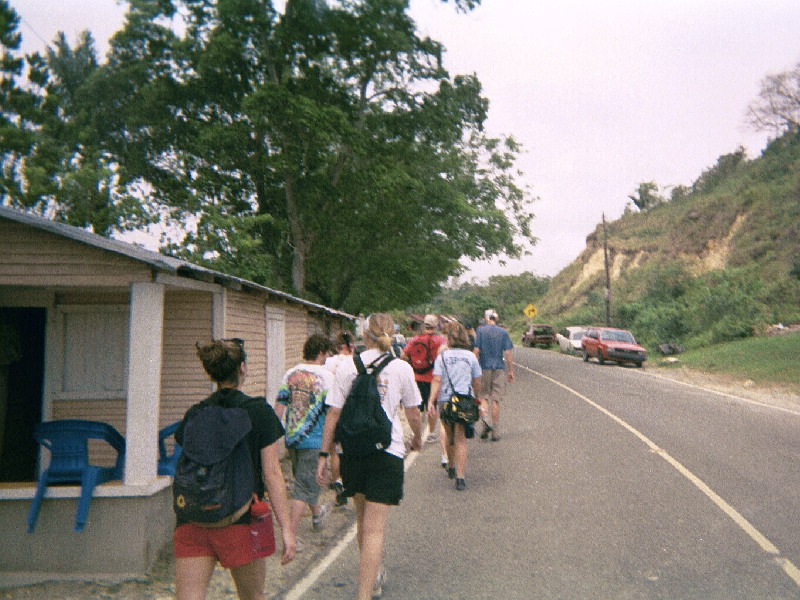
point(717, 307)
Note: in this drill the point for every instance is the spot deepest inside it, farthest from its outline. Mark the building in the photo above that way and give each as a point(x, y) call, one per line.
point(94, 328)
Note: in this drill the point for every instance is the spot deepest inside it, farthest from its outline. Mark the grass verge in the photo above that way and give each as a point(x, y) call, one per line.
point(764, 360)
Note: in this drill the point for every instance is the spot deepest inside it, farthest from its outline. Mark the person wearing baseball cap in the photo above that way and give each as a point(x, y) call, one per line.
point(493, 348)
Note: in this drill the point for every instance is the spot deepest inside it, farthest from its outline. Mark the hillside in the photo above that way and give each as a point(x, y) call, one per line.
point(715, 262)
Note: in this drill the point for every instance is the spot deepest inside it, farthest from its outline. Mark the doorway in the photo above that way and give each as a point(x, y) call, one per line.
point(22, 332)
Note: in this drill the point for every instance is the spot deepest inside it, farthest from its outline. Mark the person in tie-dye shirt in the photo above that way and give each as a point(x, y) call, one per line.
point(301, 406)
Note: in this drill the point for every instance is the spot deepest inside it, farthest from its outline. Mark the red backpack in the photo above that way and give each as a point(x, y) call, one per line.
point(419, 353)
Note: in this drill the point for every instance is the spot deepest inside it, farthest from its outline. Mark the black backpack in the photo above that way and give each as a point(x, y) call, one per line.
point(214, 477)
point(363, 427)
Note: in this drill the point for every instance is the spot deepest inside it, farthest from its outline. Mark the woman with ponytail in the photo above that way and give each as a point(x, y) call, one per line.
point(375, 482)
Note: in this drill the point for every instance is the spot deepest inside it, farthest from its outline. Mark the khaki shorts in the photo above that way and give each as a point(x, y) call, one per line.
point(493, 384)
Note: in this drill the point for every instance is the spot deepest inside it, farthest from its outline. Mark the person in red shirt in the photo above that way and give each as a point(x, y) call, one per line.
point(421, 351)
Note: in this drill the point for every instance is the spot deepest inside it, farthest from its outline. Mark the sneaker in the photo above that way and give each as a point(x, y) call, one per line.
point(495, 438)
point(380, 581)
point(486, 430)
point(461, 484)
point(341, 499)
point(444, 461)
point(451, 472)
point(316, 520)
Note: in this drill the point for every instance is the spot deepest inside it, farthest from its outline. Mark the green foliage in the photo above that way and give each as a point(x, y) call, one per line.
point(508, 294)
point(284, 145)
point(646, 196)
point(726, 166)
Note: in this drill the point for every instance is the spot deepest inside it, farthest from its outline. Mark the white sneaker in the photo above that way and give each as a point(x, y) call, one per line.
point(380, 581)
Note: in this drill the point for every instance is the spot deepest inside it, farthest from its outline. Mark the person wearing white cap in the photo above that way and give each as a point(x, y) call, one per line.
point(493, 348)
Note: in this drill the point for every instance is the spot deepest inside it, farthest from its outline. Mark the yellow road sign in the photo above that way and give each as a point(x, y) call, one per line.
point(530, 311)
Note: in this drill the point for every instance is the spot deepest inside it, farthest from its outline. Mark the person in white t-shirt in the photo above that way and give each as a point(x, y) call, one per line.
point(345, 346)
point(376, 481)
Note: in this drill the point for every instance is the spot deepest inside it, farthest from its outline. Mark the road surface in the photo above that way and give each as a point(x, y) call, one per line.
point(608, 483)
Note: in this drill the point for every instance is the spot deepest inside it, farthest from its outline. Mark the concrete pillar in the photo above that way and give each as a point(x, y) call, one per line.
point(144, 382)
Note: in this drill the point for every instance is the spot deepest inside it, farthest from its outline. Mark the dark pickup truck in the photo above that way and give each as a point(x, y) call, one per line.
point(539, 335)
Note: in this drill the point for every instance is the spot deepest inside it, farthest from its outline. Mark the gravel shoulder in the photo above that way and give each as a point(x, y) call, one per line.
point(159, 583)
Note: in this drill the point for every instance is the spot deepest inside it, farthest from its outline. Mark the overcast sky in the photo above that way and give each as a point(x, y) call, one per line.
point(603, 95)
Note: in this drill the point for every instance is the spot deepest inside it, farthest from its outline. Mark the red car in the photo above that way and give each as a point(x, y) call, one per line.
point(615, 345)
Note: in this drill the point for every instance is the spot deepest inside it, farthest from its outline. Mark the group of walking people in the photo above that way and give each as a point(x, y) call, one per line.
point(308, 407)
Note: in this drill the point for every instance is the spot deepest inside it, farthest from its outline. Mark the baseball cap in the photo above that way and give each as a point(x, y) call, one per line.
point(490, 313)
point(431, 321)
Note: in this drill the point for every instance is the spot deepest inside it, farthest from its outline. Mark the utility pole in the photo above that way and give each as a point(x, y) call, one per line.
point(608, 274)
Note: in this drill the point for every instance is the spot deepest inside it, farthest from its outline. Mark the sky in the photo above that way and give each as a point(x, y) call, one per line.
point(602, 95)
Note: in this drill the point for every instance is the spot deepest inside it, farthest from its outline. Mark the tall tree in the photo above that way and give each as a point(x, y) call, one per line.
point(324, 149)
point(19, 108)
point(55, 159)
point(777, 108)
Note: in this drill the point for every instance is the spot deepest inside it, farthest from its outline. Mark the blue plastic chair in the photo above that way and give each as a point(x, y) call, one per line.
point(166, 461)
point(68, 443)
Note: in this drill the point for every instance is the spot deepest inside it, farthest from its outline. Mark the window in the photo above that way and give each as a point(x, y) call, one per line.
point(94, 352)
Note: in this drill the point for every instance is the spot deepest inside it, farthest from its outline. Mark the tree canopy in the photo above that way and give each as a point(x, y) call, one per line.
point(324, 150)
point(777, 107)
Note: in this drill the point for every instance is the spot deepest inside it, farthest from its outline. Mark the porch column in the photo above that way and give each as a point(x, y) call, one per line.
point(144, 382)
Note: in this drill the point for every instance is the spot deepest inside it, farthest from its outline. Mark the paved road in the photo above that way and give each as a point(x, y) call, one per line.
point(608, 483)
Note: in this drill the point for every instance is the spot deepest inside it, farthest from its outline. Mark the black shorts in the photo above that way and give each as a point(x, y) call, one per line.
point(378, 476)
point(424, 391)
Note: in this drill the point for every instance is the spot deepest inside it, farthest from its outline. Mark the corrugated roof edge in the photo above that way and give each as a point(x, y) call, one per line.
point(154, 259)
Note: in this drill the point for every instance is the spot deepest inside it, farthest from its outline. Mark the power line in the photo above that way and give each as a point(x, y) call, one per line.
point(36, 33)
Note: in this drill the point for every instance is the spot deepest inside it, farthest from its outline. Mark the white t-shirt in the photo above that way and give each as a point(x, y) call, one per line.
point(396, 385)
point(332, 363)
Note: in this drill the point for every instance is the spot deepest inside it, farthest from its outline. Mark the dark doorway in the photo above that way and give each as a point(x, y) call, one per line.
point(21, 383)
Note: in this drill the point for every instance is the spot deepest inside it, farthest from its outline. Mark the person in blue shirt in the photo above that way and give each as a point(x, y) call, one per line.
point(493, 348)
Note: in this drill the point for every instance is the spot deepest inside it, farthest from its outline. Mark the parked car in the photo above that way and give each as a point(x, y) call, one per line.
point(539, 335)
point(569, 339)
point(616, 345)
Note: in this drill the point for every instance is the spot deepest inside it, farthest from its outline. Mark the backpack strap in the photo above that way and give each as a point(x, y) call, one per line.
point(376, 365)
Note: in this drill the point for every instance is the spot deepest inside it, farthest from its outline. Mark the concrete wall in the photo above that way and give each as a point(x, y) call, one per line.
point(123, 537)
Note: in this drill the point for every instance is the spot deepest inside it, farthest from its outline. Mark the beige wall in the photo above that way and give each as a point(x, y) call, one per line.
point(187, 321)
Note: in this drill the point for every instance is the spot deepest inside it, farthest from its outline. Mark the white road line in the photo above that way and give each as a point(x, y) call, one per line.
point(302, 586)
point(789, 568)
point(724, 394)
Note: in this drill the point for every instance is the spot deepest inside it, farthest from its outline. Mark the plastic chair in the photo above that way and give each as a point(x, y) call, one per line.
point(68, 443)
point(166, 461)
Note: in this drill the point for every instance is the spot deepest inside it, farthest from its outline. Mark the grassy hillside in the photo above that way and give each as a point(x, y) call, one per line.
point(715, 263)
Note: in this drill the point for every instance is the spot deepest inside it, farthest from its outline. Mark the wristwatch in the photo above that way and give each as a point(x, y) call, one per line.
point(324, 454)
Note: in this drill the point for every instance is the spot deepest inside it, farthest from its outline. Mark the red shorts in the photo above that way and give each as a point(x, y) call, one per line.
point(233, 546)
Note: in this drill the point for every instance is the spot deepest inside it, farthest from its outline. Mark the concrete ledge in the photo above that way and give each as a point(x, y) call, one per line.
point(112, 489)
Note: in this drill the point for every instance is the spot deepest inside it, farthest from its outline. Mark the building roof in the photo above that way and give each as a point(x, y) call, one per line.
point(157, 261)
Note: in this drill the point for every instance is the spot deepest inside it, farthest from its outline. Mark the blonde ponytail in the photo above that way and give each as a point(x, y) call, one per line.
point(380, 327)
